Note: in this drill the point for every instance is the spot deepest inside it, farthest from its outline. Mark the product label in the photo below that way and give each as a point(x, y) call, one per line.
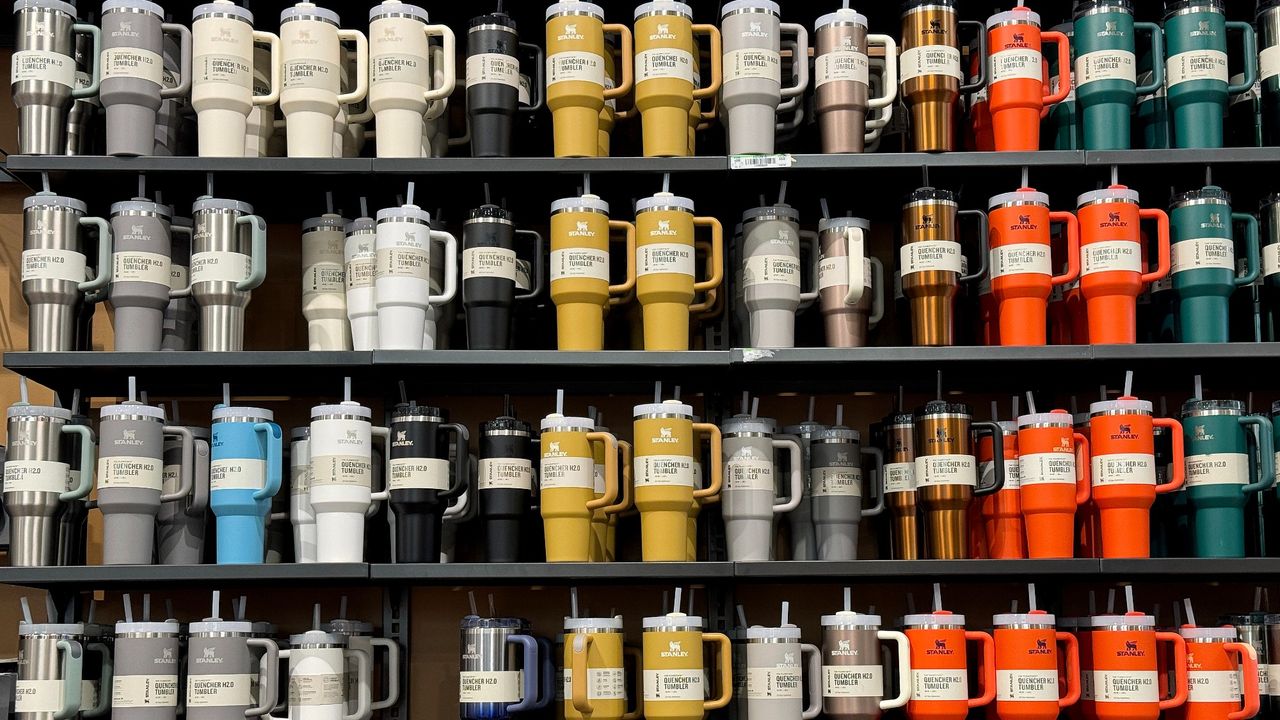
point(899, 477)
point(67, 265)
point(1203, 253)
point(36, 476)
point(1123, 469)
point(662, 685)
point(317, 689)
point(220, 690)
point(1268, 62)
point(237, 474)
point(1213, 686)
point(179, 277)
point(662, 470)
point(300, 479)
point(581, 263)
point(398, 67)
point(664, 63)
point(144, 691)
point(575, 65)
point(1273, 680)
point(489, 262)
point(1217, 469)
point(602, 683)
point(129, 266)
point(418, 474)
point(927, 255)
point(929, 60)
point(666, 258)
point(567, 472)
point(1015, 64)
point(223, 68)
point(1026, 685)
point(129, 472)
point(1111, 255)
point(841, 481)
point(939, 685)
point(1270, 258)
point(48, 66)
point(310, 74)
point(841, 66)
point(1105, 65)
point(39, 696)
point(132, 62)
point(323, 277)
point(748, 63)
point(946, 470)
point(407, 256)
point(505, 474)
point(493, 68)
point(1047, 468)
point(1196, 65)
point(360, 271)
point(88, 695)
point(748, 473)
point(834, 272)
point(489, 686)
point(215, 266)
point(775, 683)
point(1020, 258)
point(1125, 686)
point(852, 681)
point(1012, 474)
point(771, 269)
point(341, 470)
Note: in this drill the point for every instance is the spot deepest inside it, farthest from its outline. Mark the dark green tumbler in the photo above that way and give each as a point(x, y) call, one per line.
point(1196, 68)
point(1106, 70)
point(1218, 480)
point(1204, 262)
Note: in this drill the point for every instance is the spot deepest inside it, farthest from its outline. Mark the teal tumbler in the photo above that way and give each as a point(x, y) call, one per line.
point(1106, 69)
point(1218, 478)
point(1196, 68)
point(1204, 262)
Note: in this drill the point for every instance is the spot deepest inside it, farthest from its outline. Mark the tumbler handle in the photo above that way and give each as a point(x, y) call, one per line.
point(997, 455)
point(86, 463)
point(530, 689)
point(723, 659)
point(185, 481)
point(1179, 666)
point(1266, 454)
point(461, 464)
point(258, 252)
point(815, 681)
point(1179, 457)
point(268, 676)
point(610, 470)
point(537, 83)
point(1083, 460)
point(626, 61)
point(1073, 248)
point(877, 297)
point(450, 268)
point(801, 59)
point(539, 266)
point(617, 291)
point(890, 73)
point(183, 291)
point(904, 668)
point(791, 444)
point(578, 686)
point(984, 242)
point(1162, 242)
point(95, 77)
point(625, 481)
point(1252, 265)
point(450, 71)
point(72, 675)
point(1073, 669)
point(717, 253)
point(393, 672)
point(1064, 66)
point(854, 253)
point(981, 82)
point(638, 658)
point(103, 704)
point(105, 237)
point(363, 703)
point(717, 473)
point(1157, 51)
point(988, 666)
point(275, 451)
point(717, 71)
point(875, 487)
point(272, 41)
point(1250, 42)
point(361, 89)
point(1249, 667)
point(184, 60)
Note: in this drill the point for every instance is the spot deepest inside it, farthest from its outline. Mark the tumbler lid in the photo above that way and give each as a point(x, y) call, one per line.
point(318, 637)
point(404, 211)
point(26, 628)
point(1171, 7)
point(502, 19)
point(771, 211)
point(475, 621)
point(556, 422)
point(1213, 194)
point(837, 432)
point(943, 407)
point(141, 206)
point(671, 620)
point(344, 408)
point(390, 7)
point(606, 623)
point(154, 9)
point(1212, 407)
point(939, 617)
point(300, 433)
point(1137, 619)
point(848, 617)
point(223, 412)
point(1018, 14)
point(753, 5)
point(1057, 417)
point(58, 5)
point(505, 424)
point(910, 5)
point(1021, 195)
point(930, 194)
point(664, 199)
point(217, 625)
point(582, 202)
point(1129, 404)
point(1035, 617)
point(1265, 5)
point(342, 626)
point(328, 220)
point(577, 7)
point(1207, 633)
point(1115, 193)
point(137, 408)
point(1084, 7)
point(806, 429)
point(488, 211)
point(167, 626)
point(43, 199)
point(847, 16)
point(211, 203)
point(666, 407)
point(361, 225)
point(839, 223)
point(222, 7)
point(412, 410)
point(786, 632)
point(746, 423)
point(668, 7)
point(309, 11)
point(27, 411)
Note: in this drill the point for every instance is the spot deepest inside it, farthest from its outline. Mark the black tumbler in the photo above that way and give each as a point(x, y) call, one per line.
point(419, 479)
point(489, 276)
point(505, 482)
point(493, 82)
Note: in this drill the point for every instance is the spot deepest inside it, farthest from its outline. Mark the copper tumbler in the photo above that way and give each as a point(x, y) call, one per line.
point(946, 475)
point(931, 262)
point(930, 70)
point(900, 485)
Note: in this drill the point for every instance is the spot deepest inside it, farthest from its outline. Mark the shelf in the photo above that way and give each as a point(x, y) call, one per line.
point(1204, 568)
point(922, 570)
point(638, 573)
point(104, 576)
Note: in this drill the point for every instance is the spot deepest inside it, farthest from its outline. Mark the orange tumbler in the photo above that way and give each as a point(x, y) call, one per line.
point(1027, 667)
point(1112, 272)
point(940, 666)
point(1002, 510)
point(1213, 675)
point(1017, 91)
point(1053, 461)
point(1125, 675)
point(1021, 263)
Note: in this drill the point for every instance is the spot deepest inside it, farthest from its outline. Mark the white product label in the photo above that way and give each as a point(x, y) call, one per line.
point(939, 685)
point(581, 263)
point(231, 69)
point(310, 74)
point(129, 266)
point(132, 62)
point(1047, 468)
point(35, 475)
point(1213, 686)
point(665, 258)
point(418, 474)
point(1012, 474)
point(758, 63)
point(602, 684)
point(771, 269)
point(323, 277)
point(946, 470)
point(505, 474)
point(300, 479)
point(360, 271)
point(1268, 62)
point(567, 472)
point(1032, 685)
point(745, 473)
point(775, 683)
point(129, 472)
point(66, 265)
point(179, 277)
point(928, 255)
point(220, 690)
point(1270, 258)
point(841, 66)
point(664, 63)
point(1196, 65)
point(839, 481)
point(489, 262)
point(408, 257)
point(834, 272)
point(1273, 680)
point(1109, 255)
point(214, 266)
point(144, 691)
point(497, 686)
point(1125, 686)
point(317, 689)
point(1016, 64)
point(1105, 65)
point(1203, 253)
point(575, 65)
point(929, 60)
point(43, 65)
point(1217, 469)
point(37, 696)
point(662, 470)
point(843, 681)
point(1020, 258)
point(341, 470)
point(899, 477)
point(398, 67)
point(493, 68)
point(1123, 469)
point(597, 479)
point(237, 474)
point(662, 685)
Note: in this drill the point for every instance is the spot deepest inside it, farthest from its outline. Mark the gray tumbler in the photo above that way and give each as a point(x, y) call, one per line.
point(37, 482)
point(180, 315)
point(50, 659)
point(803, 544)
point(55, 275)
point(145, 685)
point(228, 260)
point(82, 120)
point(775, 684)
point(43, 72)
point(133, 72)
point(771, 274)
point(140, 273)
point(223, 670)
point(180, 524)
point(837, 485)
point(749, 498)
point(130, 479)
point(752, 93)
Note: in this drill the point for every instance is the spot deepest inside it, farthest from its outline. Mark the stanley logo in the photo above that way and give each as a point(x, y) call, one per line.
point(939, 648)
point(582, 230)
point(843, 650)
point(1111, 29)
point(1019, 40)
point(553, 450)
point(209, 656)
point(1024, 223)
point(926, 222)
point(1126, 433)
point(665, 436)
point(129, 437)
point(664, 228)
point(1201, 434)
point(570, 33)
point(1131, 650)
point(755, 29)
point(663, 33)
point(1113, 221)
point(1041, 648)
point(674, 650)
point(350, 438)
point(1204, 30)
point(935, 28)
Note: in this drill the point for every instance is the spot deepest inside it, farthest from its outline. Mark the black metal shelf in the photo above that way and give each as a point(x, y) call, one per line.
point(1206, 568)
point(104, 576)
point(923, 570)
point(551, 573)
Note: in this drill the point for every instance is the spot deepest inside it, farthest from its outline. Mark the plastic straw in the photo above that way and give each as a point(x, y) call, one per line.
point(128, 608)
point(1026, 176)
point(44, 182)
point(786, 612)
point(404, 396)
point(937, 597)
point(573, 602)
point(22, 390)
point(657, 392)
point(742, 616)
point(666, 182)
point(826, 213)
point(146, 607)
point(243, 609)
point(746, 401)
point(1128, 383)
point(1257, 599)
point(226, 394)
point(408, 196)
point(364, 207)
point(560, 401)
point(848, 599)
point(911, 603)
point(315, 617)
point(939, 384)
point(1115, 175)
point(675, 395)
point(1177, 615)
point(486, 194)
point(1111, 601)
point(471, 596)
point(1093, 606)
point(1031, 403)
point(493, 610)
point(173, 406)
point(1031, 597)
point(26, 608)
point(342, 607)
point(812, 401)
point(133, 389)
point(689, 602)
point(839, 415)
point(217, 600)
point(782, 192)
point(665, 596)
point(75, 405)
point(586, 183)
point(142, 186)
point(1199, 389)
point(1191, 615)
point(995, 411)
point(675, 604)
point(328, 202)
point(208, 184)
point(755, 407)
point(1128, 598)
point(346, 389)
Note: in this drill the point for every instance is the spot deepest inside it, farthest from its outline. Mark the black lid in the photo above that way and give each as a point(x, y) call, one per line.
point(1084, 6)
point(901, 418)
point(1173, 6)
point(943, 407)
point(909, 5)
point(1208, 192)
point(930, 193)
point(489, 210)
point(502, 19)
point(410, 408)
point(504, 424)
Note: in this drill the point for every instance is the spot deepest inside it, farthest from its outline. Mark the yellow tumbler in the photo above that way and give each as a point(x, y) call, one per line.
point(567, 484)
point(663, 474)
point(604, 520)
point(595, 686)
point(665, 85)
point(576, 74)
point(580, 285)
point(665, 268)
point(674, 671)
